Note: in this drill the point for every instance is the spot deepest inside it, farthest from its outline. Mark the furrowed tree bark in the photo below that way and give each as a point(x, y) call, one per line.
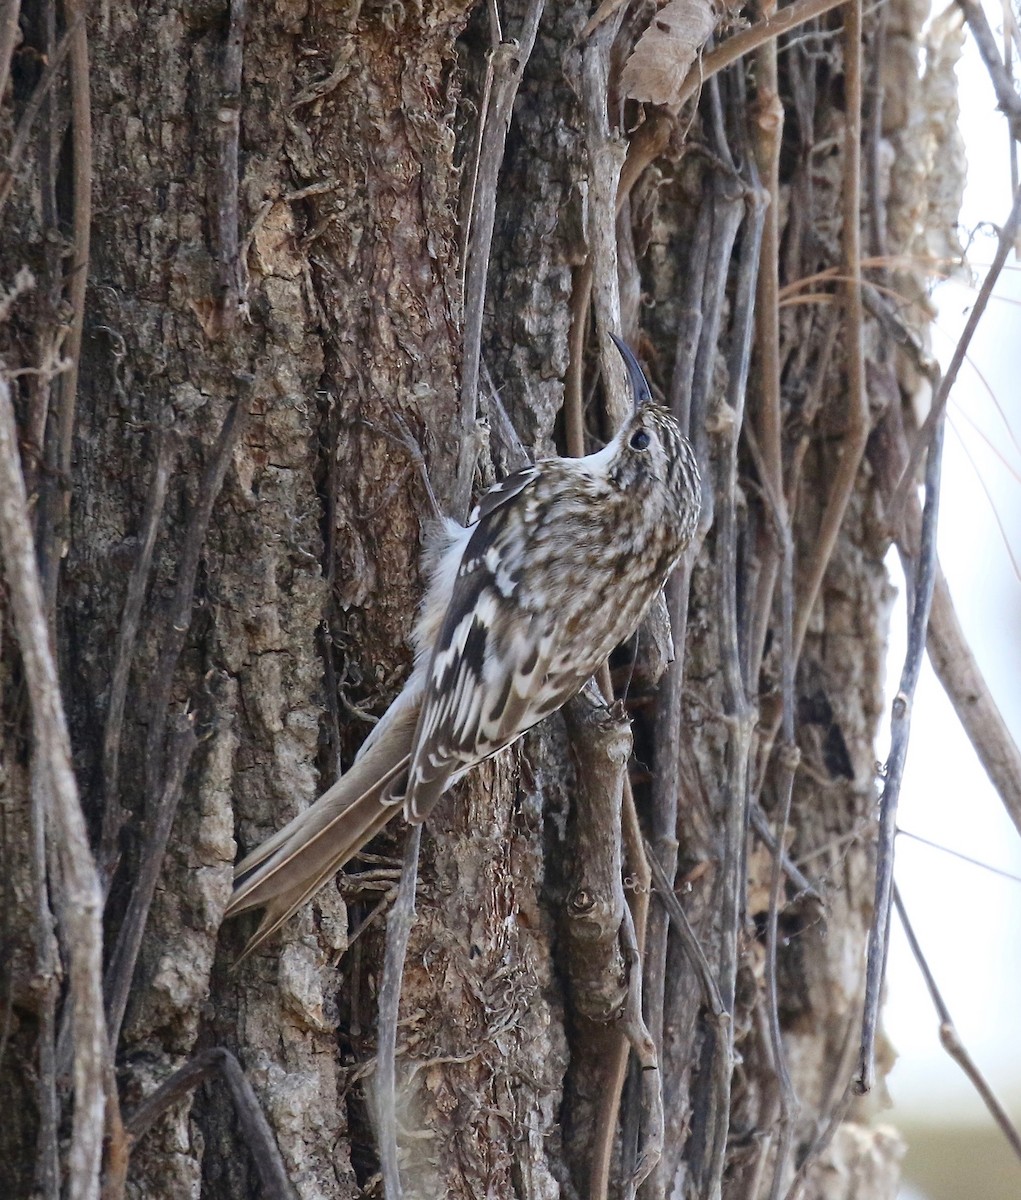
point(231, 270)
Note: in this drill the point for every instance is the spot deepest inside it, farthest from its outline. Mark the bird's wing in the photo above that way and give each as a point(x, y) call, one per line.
point(487, 679)
point(500, 493)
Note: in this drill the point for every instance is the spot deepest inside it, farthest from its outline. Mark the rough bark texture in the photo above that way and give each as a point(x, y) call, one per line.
point(358, 126)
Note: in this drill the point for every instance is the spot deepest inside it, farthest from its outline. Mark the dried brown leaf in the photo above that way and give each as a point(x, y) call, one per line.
point(664, 53)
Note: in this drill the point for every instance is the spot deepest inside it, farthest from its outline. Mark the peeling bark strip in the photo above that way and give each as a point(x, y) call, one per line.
point(407, 203)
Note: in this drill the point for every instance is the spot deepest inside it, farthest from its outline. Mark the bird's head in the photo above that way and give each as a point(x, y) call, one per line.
point(651, 457)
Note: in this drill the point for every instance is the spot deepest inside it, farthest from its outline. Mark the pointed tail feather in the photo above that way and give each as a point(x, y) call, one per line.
point(290, 867)
point(362, 821)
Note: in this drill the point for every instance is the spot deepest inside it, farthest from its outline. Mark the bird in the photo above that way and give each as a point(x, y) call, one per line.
point(557, 565)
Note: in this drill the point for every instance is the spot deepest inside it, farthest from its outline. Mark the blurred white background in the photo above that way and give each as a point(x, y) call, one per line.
point(967, 919)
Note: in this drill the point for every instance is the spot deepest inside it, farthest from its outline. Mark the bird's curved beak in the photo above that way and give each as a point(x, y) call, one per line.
point(640, 390)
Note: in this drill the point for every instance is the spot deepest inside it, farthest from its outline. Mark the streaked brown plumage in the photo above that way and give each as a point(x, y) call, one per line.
point(557, 565)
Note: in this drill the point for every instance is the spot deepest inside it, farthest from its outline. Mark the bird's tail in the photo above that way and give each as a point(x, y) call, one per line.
point(292, 865)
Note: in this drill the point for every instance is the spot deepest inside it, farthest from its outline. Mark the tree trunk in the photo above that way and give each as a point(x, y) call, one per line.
point(289, 220)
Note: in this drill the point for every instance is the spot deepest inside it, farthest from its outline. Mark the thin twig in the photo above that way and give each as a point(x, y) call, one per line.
point(129, 940)
point(878, 73)
point(951, 1041)
point(820, 1143)
point(667, 732)
point(691, 392)
point(726, 425)
point(228, 117)
point(636, 1031)
point(503, 434)
point(666, 786)
point(688, 939)
point(606, 157)
point(767, 136)
point(178, 620)
point(856, 435)
point(781, 22)
point(398, 931)
point(788, 759)
point(682, 395)
point(117, 1143)
point(495, 39)
point(8, 39)
point(648, 143)
point(47, 966)
point(726, 205)
point(958, 671)
point(634, 933)
point(900, 727)
point(574, 408)
point(926, 434)
point(597, 279)
point(734, 789)
point(258, 1136)
point(760, 824)
point(688, 405)
point(79, 914)
point(949, 652)
point(57, 500)
point(833, 1108)
point(138, 581)
point(975, 862)
point(1007, 98)
point(506, 67)
point(768, 128)
point(23, 133)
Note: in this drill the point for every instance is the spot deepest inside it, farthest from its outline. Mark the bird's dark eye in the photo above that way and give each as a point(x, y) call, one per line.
point(640, 440)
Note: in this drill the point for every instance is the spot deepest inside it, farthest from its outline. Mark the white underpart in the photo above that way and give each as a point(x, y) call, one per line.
point(428, 625)
point(441, 588)
point(596, 464)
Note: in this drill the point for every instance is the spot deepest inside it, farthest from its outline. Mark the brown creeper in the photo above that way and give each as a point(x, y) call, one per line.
point(557, 565)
